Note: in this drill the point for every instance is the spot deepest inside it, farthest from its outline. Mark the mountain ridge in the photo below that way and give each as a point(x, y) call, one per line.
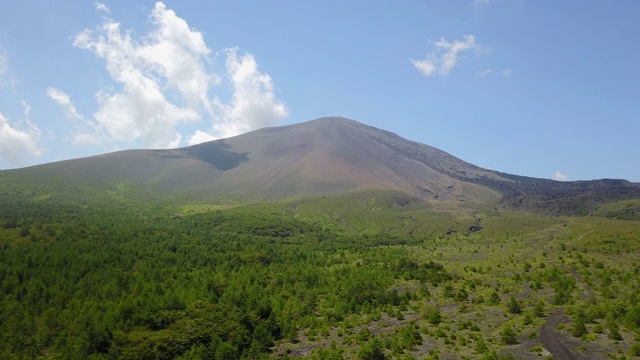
point(325, 156)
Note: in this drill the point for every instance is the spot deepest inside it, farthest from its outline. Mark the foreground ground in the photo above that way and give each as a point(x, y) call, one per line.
point(314, 279)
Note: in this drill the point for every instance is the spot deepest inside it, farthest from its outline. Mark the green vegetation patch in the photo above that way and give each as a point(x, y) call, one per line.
point(363, 276)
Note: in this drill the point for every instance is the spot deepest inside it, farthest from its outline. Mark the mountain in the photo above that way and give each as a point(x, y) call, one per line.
point(323, 157)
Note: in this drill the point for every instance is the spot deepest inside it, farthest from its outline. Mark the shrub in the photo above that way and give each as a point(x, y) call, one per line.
point(494, 299)
point(578, 328)
point(614, 331)
point(508, 336)
point(371, 351)
point(514, 306)
point(598, 329)
point(433, 315)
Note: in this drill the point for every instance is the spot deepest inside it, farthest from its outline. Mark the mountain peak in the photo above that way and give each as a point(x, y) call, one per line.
point(325, 156)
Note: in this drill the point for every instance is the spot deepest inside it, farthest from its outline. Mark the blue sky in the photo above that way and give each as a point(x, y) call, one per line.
point(531, 87)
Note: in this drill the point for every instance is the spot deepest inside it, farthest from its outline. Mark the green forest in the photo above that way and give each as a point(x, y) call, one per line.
point(151, 280)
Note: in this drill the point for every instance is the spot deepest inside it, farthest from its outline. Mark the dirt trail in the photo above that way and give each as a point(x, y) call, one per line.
point(550, 339)
point(578, 277)
point(585, 234)
point(587, 288)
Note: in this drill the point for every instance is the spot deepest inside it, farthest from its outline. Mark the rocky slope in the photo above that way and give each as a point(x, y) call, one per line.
point(323, 157)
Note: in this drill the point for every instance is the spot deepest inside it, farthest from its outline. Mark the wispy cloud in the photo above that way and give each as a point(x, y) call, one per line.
point(444, 56)
point(102, 7)
point(18, 141)
point(560, 176)
point(166, 80)
point(62, 99)
point(490, 72)
point(3, 65)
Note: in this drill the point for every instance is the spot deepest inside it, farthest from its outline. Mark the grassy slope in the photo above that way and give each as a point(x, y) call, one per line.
point(599, 255)
point(493, 259)
point(623, 210)
point(586, 250)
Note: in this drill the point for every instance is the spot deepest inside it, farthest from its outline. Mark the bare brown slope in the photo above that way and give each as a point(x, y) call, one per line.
point(334, 155)
point(321, 157)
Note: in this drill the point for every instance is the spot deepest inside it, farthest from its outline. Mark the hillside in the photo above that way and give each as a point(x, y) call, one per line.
point(344, 277)
point(324, 240)
point(323, 157)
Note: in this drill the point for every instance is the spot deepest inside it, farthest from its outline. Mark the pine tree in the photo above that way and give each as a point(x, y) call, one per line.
point(514, 306)
point(578, 328)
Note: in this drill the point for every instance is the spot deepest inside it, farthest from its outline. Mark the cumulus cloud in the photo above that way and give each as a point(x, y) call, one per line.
point(102, 7)
point(253, 103)
point(559, 176)
point(444, 56)
point(18, 141)
point(62, 99)
point(200, 137)
point(144, 69)
point(166, 81)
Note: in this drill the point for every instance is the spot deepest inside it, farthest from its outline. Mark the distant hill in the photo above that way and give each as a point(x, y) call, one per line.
point(324, 157)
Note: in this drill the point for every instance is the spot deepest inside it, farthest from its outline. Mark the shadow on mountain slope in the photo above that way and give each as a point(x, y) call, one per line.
point(216, 153)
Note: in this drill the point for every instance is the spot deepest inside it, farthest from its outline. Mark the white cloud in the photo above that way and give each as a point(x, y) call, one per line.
point(179, 54)
point(65, 102)
point(426, 67)
point(166, 81)
point(140, 110)
point(3, 65)
point(102, 7)
point(560, 176)
point(253, 103)
point(489, 72)
point(18, 141)
point(444, 56)
point(199, 137)
point(27, 110)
